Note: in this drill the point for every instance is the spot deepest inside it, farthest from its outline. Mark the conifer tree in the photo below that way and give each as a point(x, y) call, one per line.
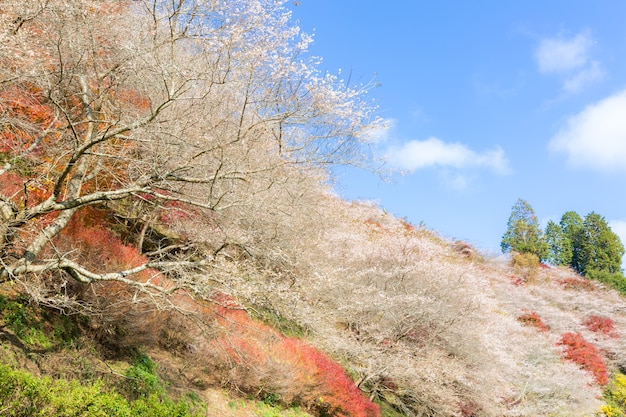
point(559, 243)
point(572, 226)
point(600, 248)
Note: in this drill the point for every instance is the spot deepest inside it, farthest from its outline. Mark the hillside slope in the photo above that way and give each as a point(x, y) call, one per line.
point(170, 243)
point(425, 326)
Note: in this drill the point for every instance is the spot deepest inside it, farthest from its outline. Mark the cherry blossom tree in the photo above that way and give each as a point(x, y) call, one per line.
point(153, 110)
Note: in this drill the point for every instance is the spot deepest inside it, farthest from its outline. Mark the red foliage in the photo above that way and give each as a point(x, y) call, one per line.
point(312, 379)
point(137, 100)
point(577, 284)
point(28, 106)
point(517, 281)
point(531, 318)
point(96, 246)
point(338, 394)
point(599, 324)
point(585, 354)
point(408, 227)
point(12, 186)
point(470, 409)
point(374, 224)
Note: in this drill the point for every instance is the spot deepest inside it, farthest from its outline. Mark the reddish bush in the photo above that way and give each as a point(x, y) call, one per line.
point(96, 246)
point(603, 325)
point(577, 284)
point(337, 394)
point(470, 409)
point(531, 318)
point(585, 354)
point(303, 374)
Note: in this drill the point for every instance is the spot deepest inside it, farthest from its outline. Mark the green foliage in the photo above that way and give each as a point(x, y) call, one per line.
point(523, 234)
point(572, 226)
point(23, 394)
point(39, 328)
point(585, 245)
point(387, 410)
point(600, 248)
point(22, 320)
point(142, 378)
point(274, 318)
point(615, 280)
point(615, 397)
point(559, 243)
point(266, 410)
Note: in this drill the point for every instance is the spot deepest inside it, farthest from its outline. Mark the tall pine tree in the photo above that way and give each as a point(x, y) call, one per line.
point(600, 248)
point(559, 243)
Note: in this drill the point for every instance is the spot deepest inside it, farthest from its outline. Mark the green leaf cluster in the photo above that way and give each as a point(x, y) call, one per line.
point(24, 394)
point(523, 234)
point(615, 397)
point(586, 244)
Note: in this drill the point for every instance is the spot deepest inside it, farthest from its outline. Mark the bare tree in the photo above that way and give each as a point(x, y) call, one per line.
point(150, 106)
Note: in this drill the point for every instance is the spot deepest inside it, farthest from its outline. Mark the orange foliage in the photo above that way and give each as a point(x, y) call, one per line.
point(12, 185)
point(313, 379)
point(531, 318)
point(134, 99)
point(577, 284)
point(337, 394)
point(27, 105)
point(585, 354)
point(603, 325)
point(87, 235)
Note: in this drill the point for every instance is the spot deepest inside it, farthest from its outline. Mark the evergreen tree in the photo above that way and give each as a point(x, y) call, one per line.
point(600, 248)
point(559, 243)
point(572, 226)
point(523, 234)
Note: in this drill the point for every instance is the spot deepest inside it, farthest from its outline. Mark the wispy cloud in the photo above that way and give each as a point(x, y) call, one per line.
point(433, 153)
point(570, 59)
point(558, 55)
point(584, 77)
point(596, 137)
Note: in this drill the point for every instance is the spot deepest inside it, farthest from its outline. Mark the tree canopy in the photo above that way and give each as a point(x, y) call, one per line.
point(560, 245)
point(572, 226)
point(586, 244)
point(187, 107)
point(600, 248)
point(523, 234)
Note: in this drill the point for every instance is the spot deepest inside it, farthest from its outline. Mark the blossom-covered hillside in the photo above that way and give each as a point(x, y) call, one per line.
point(170, 243)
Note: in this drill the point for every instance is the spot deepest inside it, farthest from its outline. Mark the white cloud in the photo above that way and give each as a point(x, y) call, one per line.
point(563, 55)
point(581, 79)
point(596, 137)
point(570, 59)
point(434, 152)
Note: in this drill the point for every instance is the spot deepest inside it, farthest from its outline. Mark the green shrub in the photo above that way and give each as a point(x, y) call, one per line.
point(24, 395)
point(142, 377)
point(614, 280)
point(615, 397)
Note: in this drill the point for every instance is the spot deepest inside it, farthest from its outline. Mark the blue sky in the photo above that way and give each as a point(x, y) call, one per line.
point(486, 102)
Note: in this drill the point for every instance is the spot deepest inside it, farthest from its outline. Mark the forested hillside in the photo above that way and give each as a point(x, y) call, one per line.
point(170, 243)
